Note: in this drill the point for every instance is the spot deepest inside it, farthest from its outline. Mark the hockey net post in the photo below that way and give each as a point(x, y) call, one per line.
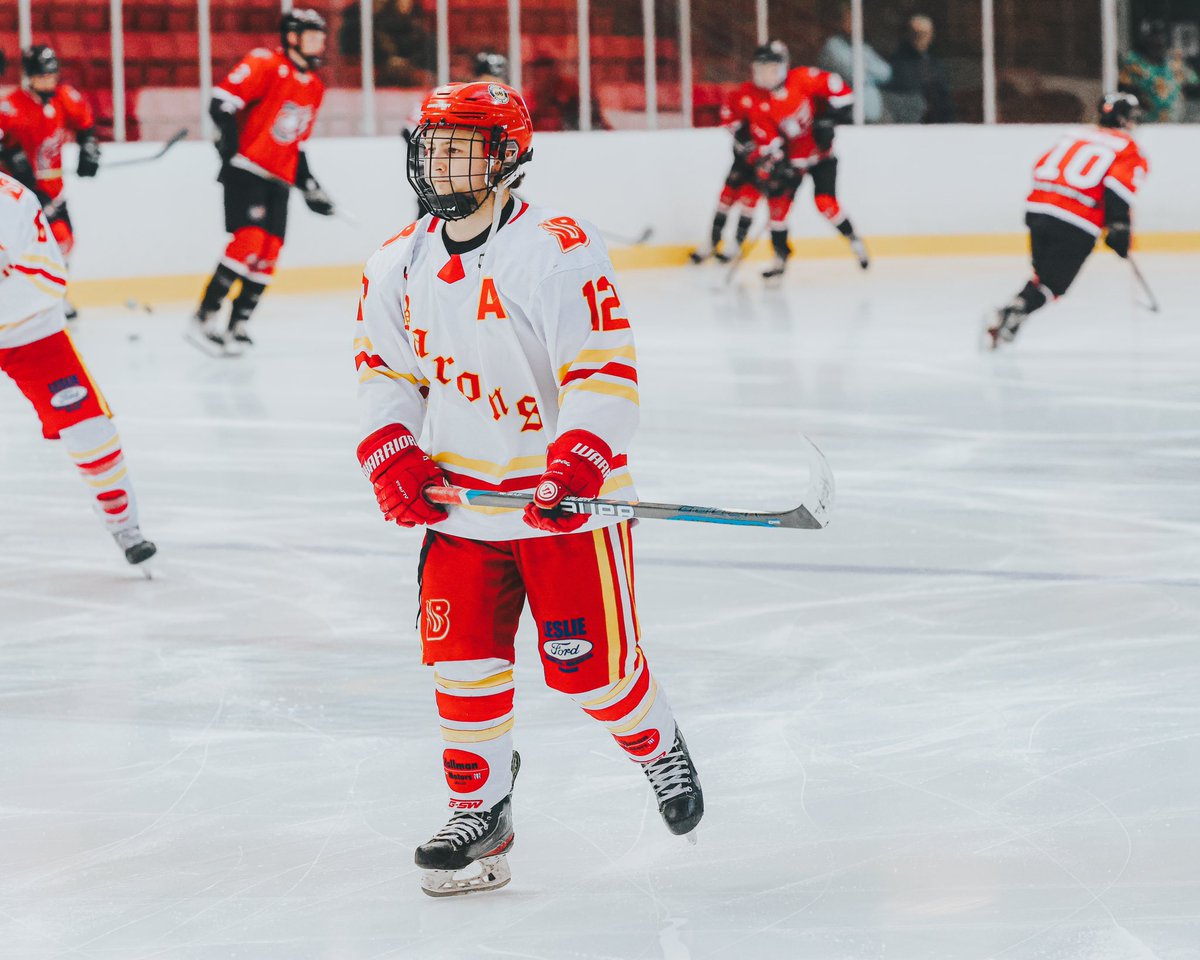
point(812, 513)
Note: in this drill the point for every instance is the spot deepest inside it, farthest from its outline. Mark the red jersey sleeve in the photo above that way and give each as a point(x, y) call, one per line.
point(831, 88)
point(736, 108)
point(76, 112)
point(248, 81)
point(1127, 172)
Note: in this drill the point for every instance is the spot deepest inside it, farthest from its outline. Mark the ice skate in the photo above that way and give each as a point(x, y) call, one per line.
point(712, 253)
point(137, 549)
point(71, 312)
point(470, 837)
point(860, 251)
point(773, 275)
point(237, 340)
point(677, 788)
point(1003, 326)
point(204, 336)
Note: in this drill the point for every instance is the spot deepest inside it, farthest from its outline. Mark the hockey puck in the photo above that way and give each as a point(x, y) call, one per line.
point(133, 337)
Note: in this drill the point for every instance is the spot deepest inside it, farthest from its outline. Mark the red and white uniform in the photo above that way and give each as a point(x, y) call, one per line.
point(494, 366)
point(1069, 180)
point(41, 129)
point(33, 276)
point(791, 110)
point(37, 353)
point(491, 359)
point(277, 106)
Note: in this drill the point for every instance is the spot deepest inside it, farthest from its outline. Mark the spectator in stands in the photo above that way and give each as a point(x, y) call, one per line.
point(1156, 75)
point(837, 56)
point(920, 88)
point(553, 98)
point(404, 53)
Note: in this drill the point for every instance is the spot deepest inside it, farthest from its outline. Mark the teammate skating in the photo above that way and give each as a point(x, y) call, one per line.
point(495, 328)
point(40, 357)
point(35, 122)
point(1085, 184)
point(263, 110)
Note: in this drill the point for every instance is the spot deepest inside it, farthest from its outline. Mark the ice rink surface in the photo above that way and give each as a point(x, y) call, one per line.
point(961, 723)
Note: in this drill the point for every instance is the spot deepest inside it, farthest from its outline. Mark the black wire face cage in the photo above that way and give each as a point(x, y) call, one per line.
point(465, 151)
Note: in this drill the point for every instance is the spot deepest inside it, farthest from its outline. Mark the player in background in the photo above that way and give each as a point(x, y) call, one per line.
point(493, 329)
point(741, 114)
point(35, 121)
point(39, 356)
point(805, 104)
point(264, 110)
point(1084, 185)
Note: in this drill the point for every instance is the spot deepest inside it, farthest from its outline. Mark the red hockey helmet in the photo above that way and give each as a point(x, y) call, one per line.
point(484, 121)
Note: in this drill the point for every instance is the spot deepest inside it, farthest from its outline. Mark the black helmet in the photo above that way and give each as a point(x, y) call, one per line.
point(774, 52)
point(297, 21)
point(38, 60)
point(490, 63)
point(1119, 110)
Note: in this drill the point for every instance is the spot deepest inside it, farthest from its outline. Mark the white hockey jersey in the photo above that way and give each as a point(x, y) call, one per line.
point(33, 277)
point(488, 366)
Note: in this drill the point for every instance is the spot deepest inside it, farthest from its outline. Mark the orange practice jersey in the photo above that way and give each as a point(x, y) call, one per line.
point(41, 129)
point(277, 106)
point(1069, 181)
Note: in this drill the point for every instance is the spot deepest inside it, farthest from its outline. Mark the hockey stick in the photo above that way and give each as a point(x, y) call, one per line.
point(811, 514)
point(629, 241)
point(175, 138)
point(748, 244)
point(1152, 306)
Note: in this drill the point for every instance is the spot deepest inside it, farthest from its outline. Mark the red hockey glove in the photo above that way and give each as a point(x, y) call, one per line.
point(400, 471)
point(577, 464)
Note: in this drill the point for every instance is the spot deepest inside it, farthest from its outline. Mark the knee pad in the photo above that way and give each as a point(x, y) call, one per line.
point(779, 208)
point(749, 196)
point(727, 199)
point(251, 253)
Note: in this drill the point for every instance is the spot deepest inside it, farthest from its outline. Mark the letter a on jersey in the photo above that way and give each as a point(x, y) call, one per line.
point(489, 302)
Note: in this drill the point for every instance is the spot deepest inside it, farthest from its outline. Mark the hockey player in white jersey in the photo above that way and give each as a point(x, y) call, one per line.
point(38, 354)
point(492, 331)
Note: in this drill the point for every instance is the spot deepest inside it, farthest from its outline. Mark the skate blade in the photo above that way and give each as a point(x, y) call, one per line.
point(493, 874)
point(204, 345)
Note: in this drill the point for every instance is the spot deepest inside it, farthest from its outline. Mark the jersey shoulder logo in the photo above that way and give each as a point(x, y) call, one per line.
point(566, 231)
point(406, 232)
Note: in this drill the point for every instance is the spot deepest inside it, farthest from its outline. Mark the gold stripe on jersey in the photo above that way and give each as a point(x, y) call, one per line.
point(495, 681)
point(601, 386)
point(46, 261)
point(589, 357)
point(616, 482)
point(369, 373)
point(477, 736)
point(498, 470)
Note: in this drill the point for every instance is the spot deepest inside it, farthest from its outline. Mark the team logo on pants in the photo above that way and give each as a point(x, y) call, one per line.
point(465, 772)
point(67, 393)
point(437, 619)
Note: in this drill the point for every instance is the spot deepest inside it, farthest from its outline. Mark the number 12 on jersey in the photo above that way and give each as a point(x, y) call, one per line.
point(603, 302)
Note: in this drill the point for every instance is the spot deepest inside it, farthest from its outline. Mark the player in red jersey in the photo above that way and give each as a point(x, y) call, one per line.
point(752, 154)
point(35, 122)
point(804, 106)
point(1082, 186)
point(264, 110)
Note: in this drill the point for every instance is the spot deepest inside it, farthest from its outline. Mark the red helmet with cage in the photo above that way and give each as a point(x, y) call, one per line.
point(481, 121)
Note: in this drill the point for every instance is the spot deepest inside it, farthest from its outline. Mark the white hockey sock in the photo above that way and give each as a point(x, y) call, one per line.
point(475, 704)
point(636, 712)
point(95, 446)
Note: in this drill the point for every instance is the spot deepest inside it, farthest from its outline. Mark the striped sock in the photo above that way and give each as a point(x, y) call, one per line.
point(95, 446)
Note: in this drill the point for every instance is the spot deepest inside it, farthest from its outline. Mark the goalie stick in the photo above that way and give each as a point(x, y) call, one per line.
point(175, 138)
point(811, 514)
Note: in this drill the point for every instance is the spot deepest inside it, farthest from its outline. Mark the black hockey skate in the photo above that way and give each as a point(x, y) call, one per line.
point(203, 334)
point(137, 549)
point(469, 837)
point(1003, 326)
point(714, 253)
point(773, 275)
point(860, 251)
point(677, 787)
point(237, 340)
